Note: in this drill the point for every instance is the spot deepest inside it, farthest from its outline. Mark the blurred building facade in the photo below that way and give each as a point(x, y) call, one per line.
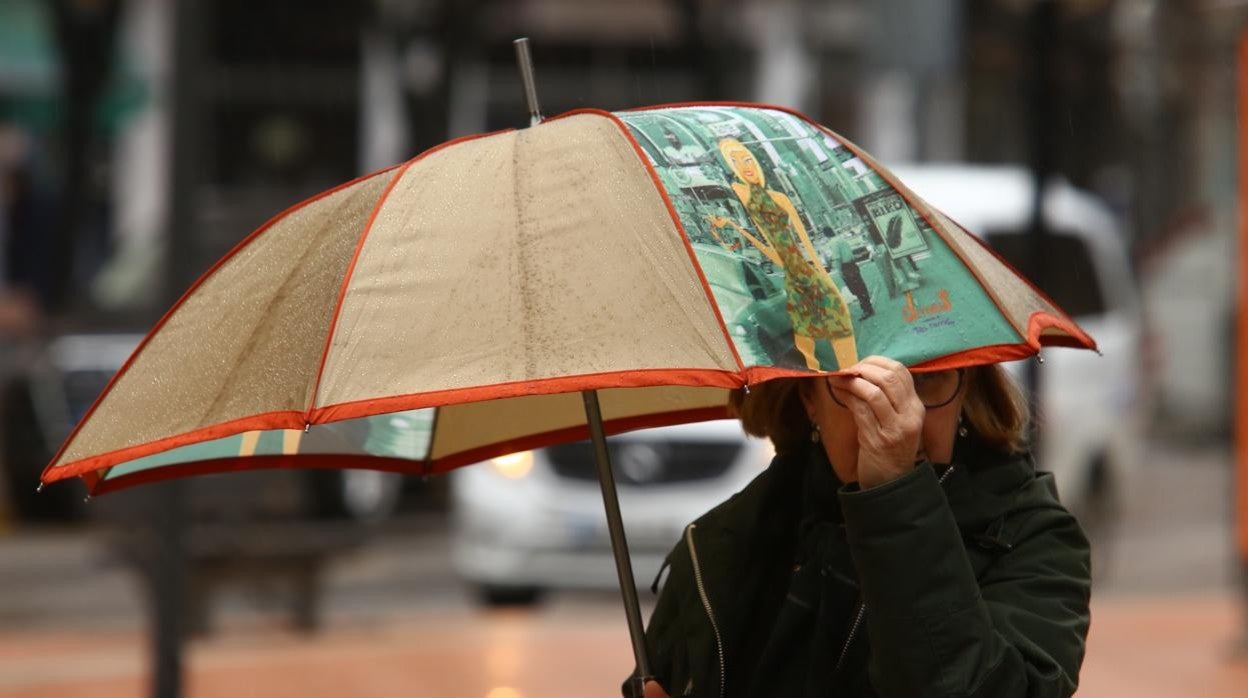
point(209, 117)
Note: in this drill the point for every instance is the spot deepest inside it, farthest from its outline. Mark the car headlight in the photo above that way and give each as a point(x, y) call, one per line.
point(513, 466)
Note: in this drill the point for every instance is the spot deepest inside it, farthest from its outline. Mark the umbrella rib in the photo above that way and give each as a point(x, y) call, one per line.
point(346, 283)
point(707, 295)
point(359, 248)
point(251, 339)
point(186, 296)
point(525, 285)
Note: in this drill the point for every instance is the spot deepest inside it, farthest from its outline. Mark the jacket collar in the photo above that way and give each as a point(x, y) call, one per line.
point(983, 486)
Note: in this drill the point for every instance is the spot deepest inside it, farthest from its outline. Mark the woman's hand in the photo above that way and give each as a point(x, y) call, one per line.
point(880, 395)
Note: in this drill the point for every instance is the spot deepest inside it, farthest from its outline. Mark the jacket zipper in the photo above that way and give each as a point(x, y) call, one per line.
point(862, 607)
point(853, 630)
point(706, 603)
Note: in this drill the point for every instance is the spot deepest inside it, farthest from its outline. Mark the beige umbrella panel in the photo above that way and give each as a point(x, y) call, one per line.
point(461, 278)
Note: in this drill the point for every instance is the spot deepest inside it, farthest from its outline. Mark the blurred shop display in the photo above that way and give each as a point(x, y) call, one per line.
point(42, 404)
point(193, 132)
point(266, 102)
point(533, 521)
point(1092, 408)
point(144, 135)
point(277, 528)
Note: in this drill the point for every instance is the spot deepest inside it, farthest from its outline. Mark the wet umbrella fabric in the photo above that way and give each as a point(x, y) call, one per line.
point(660, 257)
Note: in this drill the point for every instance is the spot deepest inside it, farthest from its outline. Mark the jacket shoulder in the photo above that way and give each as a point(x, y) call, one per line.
point(998, 488)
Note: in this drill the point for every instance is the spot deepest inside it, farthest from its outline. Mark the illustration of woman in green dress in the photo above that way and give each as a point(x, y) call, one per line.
point(815, 306)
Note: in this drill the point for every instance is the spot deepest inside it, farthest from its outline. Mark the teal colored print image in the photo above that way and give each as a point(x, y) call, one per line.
point(397, 435)
point(814, 260)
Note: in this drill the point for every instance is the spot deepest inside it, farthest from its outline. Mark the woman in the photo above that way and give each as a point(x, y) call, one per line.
point(815, 307)
point(900, 544)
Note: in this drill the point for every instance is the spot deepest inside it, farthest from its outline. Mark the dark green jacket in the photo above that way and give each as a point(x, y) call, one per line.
point(974, 586)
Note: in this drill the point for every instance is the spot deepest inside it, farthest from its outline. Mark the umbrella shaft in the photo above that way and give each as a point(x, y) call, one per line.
point(525, 61)
point(619, 545)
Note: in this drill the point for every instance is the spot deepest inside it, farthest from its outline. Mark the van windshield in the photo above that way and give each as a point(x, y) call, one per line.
point(1070, 276)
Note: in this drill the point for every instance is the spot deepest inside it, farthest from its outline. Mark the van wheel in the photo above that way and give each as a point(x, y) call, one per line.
point(1099, 514)
point(507, 596)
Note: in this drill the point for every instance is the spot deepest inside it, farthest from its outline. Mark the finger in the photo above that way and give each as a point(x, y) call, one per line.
point(884, 362)
point(870, 395)
point(884, 439)
point(840, 395)
point(890, 365)
point(887, 364)
point(898, 385)
point(864, 418)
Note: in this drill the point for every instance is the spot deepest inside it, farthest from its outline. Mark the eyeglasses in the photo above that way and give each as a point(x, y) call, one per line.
point(935, 388)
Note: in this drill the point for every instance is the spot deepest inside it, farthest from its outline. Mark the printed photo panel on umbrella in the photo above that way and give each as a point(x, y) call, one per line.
point(817, 257)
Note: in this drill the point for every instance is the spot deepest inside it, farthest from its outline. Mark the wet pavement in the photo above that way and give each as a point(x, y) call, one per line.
point(1166, 617)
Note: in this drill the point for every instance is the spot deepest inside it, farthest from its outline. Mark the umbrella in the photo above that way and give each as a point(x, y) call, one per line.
point(595, 273)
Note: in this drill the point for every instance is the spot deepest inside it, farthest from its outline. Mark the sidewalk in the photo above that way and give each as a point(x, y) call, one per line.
point(1166, 645)
point(1165, 618)
point(1154, 646)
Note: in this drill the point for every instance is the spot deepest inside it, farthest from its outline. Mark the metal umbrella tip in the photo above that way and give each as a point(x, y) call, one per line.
point(39, 489)
point(307, 428)
point(524, 59)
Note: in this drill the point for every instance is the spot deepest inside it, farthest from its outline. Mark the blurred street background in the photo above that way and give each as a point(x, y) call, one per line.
point(140, 140)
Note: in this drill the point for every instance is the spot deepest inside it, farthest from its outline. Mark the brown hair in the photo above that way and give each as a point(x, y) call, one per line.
point(994, 409)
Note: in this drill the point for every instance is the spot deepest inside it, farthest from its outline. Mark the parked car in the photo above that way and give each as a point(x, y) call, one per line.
point(1091, 408)
point(534, 520)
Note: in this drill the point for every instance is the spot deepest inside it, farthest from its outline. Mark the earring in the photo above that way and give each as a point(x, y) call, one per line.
point(815, 436)
point(962, 431)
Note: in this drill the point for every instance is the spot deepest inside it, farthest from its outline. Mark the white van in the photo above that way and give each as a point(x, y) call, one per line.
point(534, 520)
point(1092, 407)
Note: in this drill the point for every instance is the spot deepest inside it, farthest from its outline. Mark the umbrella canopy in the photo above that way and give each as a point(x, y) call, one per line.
point(660, 257)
